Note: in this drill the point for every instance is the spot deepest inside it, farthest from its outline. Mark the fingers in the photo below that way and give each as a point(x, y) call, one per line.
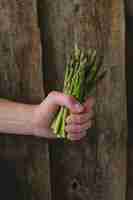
point(76, 136)
point(77, 128)
point(80, 118)
point(77, 131)
point(78, 123)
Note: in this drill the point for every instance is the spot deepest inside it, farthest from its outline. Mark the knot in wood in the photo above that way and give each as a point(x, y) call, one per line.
point(75, 184)
point(76, 8)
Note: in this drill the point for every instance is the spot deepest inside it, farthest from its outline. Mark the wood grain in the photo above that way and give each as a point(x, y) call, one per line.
point(25, 160)
point(94, 168)
point(129, 64)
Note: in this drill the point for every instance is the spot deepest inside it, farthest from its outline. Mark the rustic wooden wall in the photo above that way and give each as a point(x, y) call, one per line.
point(129, 65)
point(24, 168)
point(94, 168)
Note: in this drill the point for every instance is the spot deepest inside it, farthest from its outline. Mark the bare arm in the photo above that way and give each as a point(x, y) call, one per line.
point(24, 119)
point(16, 117)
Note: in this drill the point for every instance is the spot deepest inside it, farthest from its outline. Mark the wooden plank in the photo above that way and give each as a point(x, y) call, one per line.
point(129, 64)
point(24, 160)
point(95, 167)
point(112, 106)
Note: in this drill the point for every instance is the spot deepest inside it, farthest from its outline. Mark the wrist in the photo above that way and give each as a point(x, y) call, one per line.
point(34, 122)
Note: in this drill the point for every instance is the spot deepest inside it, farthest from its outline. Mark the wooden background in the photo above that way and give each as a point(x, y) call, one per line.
point(35, 40)
point(129, 64)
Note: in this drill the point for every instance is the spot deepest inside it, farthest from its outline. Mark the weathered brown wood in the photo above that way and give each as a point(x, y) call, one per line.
point(129, 64)
point(21, 80)
point(94, 168)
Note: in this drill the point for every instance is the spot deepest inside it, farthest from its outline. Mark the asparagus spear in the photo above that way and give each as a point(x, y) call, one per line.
point(81, 77)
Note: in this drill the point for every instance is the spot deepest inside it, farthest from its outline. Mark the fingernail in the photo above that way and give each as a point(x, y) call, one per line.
point(78, 107)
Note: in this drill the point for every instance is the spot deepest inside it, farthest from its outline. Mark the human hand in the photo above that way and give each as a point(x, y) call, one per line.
point(77, 122)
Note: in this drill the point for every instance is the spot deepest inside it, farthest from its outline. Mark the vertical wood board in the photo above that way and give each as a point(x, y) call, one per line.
point(95, 167)
point(21, 80)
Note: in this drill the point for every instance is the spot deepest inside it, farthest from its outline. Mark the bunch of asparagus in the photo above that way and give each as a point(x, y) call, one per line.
point(81, 77)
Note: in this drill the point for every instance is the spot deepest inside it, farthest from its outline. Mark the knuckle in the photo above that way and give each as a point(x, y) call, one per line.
point(79, 118)
point(78, 128)
point(85, 126)
point(70, 99)
point(52, 93)
point(74, 128)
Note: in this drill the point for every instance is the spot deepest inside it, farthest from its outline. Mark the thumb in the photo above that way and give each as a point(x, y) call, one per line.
point(52, 102)
point(56, 99)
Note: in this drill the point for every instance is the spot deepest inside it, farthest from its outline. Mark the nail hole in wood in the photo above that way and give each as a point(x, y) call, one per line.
point(75, 184)
point(76, 8)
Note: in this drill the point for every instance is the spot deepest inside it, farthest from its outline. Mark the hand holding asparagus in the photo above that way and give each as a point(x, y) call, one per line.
point(79, 120)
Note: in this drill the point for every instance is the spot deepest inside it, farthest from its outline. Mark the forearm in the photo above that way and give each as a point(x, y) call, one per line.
point(16, 118)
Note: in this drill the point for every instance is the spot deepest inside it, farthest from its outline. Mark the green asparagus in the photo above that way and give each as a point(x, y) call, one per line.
point(81, 77)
